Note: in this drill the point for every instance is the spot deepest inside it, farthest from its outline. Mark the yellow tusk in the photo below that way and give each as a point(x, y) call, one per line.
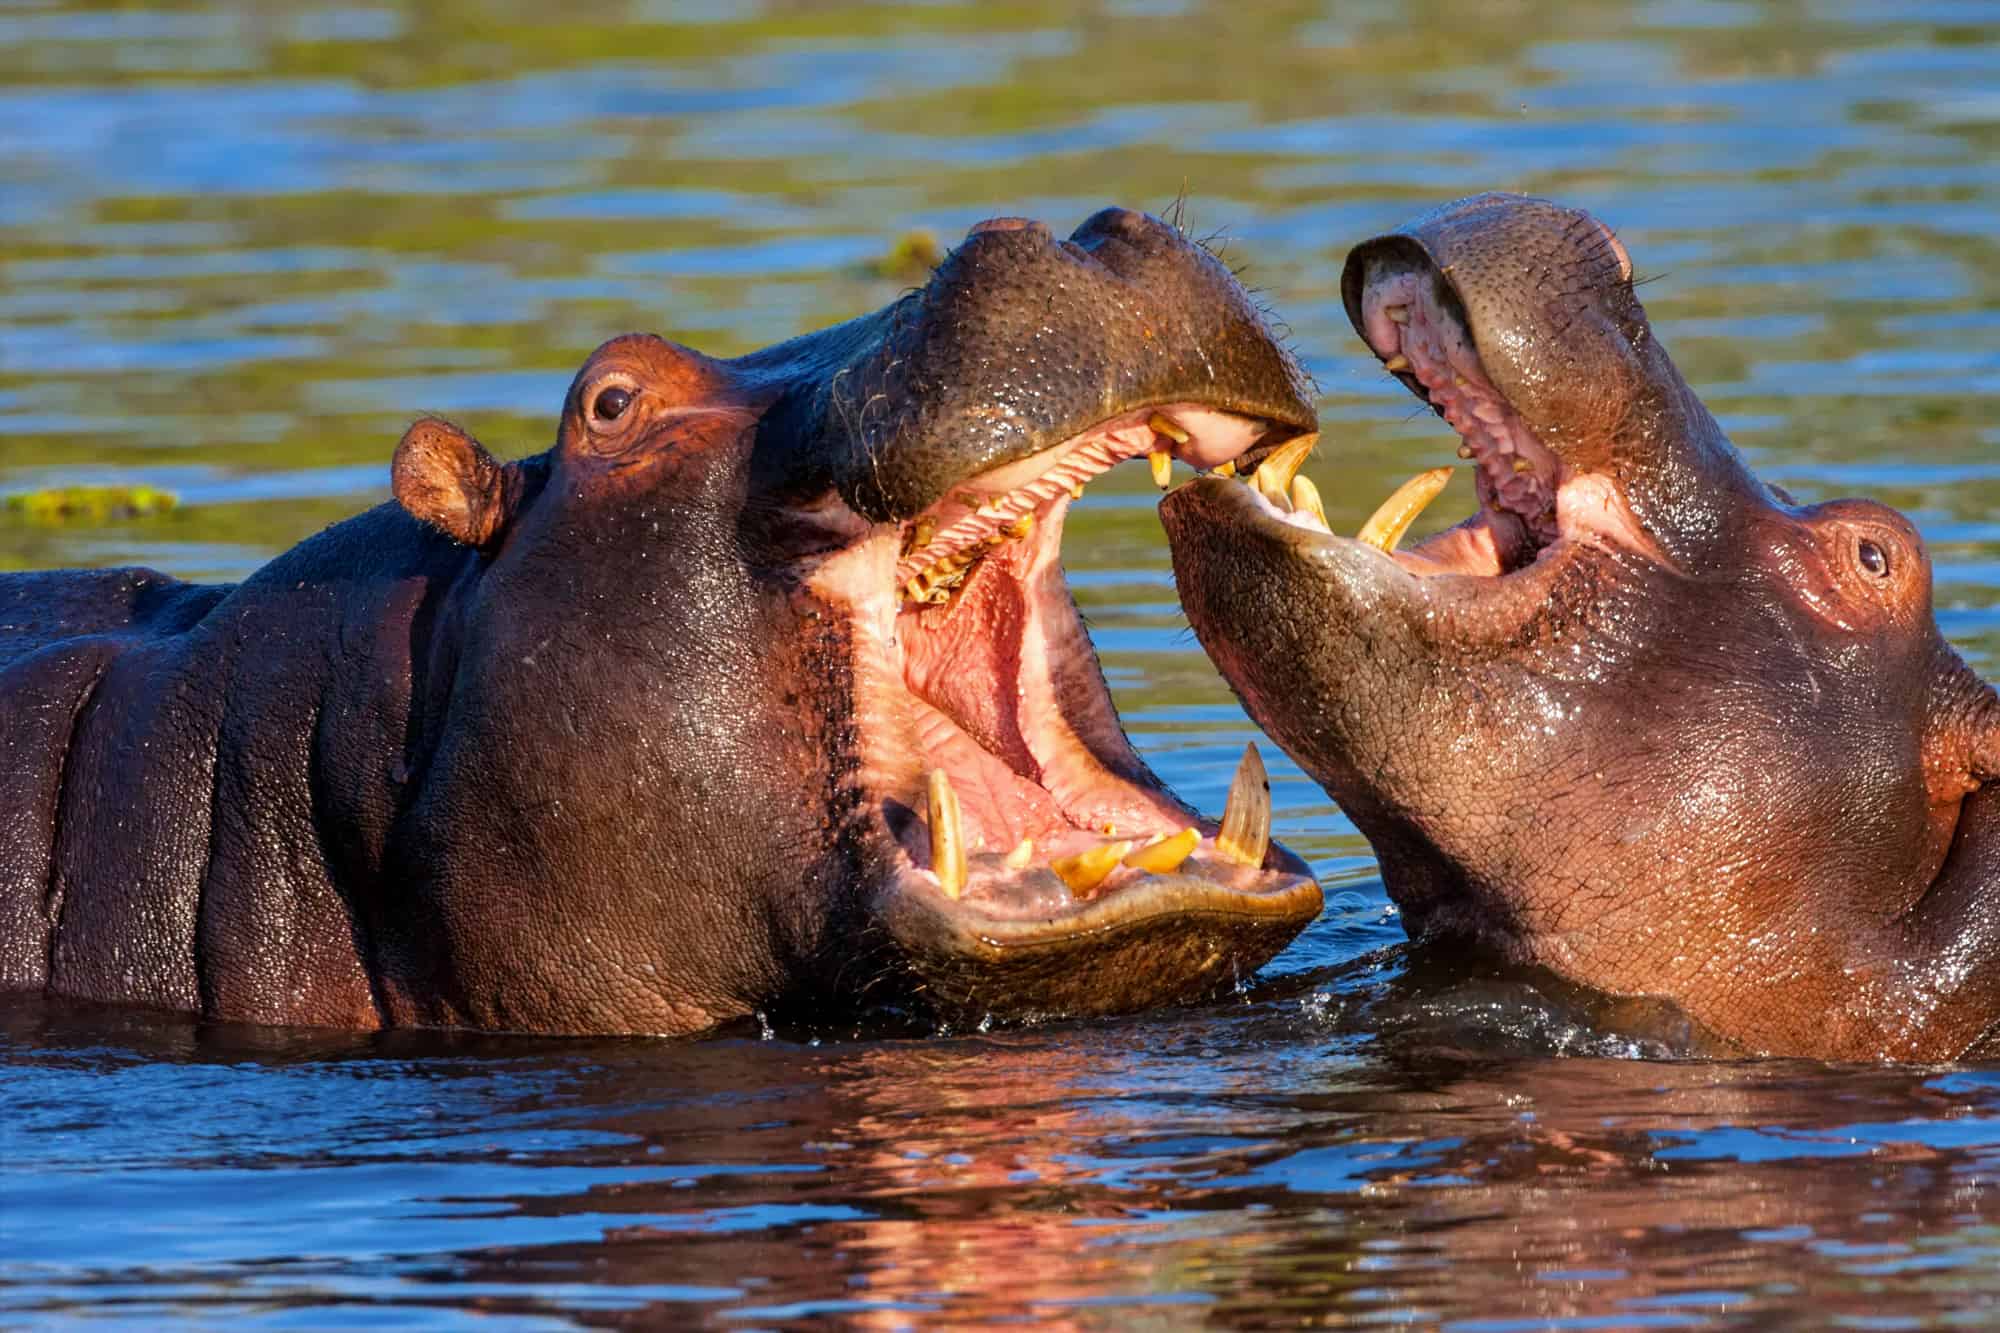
point(1163, 468)
point(1164, 857)
point(1246, 815)
point(947, 836)
point(1086, 870)
point(1305, 500)
point(1162, 424)
point(1274, 475)
point(1386, 526)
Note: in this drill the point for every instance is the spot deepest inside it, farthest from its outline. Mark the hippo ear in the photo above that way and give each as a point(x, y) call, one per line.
point(445, 478)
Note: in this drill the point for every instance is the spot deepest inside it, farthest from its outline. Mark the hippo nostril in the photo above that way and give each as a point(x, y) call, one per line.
point(1007, 224)
point(1124, 223)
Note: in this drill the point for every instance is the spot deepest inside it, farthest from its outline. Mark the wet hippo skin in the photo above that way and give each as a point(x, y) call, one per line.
point(760, 690)
point(1643, 719)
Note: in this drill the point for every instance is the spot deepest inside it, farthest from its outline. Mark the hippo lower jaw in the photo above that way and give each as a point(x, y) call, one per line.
point(1022, 822)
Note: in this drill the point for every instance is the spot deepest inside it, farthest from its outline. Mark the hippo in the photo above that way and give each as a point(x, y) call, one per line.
point(1643, 720)
point(760, 692)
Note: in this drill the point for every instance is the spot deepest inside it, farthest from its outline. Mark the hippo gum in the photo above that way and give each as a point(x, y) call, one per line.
point(760, 690)
point(1642, 720)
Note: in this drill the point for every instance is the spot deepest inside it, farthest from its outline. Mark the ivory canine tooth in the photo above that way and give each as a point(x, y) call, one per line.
point(1088, 869)
point(1162, 424)
point(947, 836)
point(1274, 475)
point(1164, 856)
point(1386, 526)
point(1023, 853)
point(1305, 499)
point(1163, 468)
point(1246, 815)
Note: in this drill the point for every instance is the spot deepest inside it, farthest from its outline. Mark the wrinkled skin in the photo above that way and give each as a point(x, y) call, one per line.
point(1642, 720)
point(631, 736)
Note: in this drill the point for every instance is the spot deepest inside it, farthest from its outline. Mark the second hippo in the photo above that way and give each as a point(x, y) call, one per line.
point(1643, 719)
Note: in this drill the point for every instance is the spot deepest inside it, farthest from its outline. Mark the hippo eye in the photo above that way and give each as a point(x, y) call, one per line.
point(611, 403)
point(1873, 559)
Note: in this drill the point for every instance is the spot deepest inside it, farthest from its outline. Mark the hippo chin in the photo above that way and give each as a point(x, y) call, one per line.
point(1642, 720)
point(760, 690)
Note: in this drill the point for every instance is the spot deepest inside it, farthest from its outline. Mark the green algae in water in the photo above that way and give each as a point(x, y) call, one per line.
point(90, 504)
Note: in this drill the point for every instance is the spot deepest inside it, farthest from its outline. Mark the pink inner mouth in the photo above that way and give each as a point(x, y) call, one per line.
point(973, 660)
point(1530, 500)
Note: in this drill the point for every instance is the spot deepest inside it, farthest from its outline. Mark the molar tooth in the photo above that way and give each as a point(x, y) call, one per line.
point(1076, 490)
point(1386, 526)
point(1305, 499)
point(947, 836)
point(1162, 424)
point(1021, 527)
point(1164, 856)
point(926, 529)
point(1246, 815)
point(1522, 465)
point(1163, 468)
point(1024, 852)
point(1088, 869)
point(1465, 451)
point(1396, 363)
point(1399, 313)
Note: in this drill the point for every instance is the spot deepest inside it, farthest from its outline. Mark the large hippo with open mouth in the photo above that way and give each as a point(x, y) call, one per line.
point(760, 690)
point(1643, 719)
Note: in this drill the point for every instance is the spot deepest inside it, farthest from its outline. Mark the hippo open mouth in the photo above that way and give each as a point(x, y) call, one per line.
point(1534, 504)
point(1002, 770)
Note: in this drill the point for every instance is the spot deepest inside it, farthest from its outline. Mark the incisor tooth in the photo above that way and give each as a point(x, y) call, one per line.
point(1305, 499)
point(1163, 468)
point(1386, 526)
point(1024, 852)
point(1165, 856)
point(1246, 815)
point(1274, 475)
point(1396, 362)
point(1162, 424)
point(1086, 870)
point(947, 836)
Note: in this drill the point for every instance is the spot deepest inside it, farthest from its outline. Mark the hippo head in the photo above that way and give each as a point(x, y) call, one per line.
point(1642, 719)
point(769, 688)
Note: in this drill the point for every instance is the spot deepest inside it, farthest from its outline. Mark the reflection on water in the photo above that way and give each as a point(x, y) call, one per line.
point(244, 245)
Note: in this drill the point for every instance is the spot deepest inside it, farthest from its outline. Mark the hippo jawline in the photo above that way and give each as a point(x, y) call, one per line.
point(987, 726)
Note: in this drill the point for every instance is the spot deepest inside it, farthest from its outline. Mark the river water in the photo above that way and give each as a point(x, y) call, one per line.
point(242, 246)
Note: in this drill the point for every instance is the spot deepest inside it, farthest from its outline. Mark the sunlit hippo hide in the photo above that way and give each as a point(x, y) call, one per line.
point(1643, 719)
point(761, 690)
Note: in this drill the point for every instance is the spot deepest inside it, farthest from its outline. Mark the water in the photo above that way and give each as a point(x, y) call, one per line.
point(243, 247)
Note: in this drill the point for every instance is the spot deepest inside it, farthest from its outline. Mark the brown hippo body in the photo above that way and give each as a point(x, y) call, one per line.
point(1642, 720)
point(746, 695)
